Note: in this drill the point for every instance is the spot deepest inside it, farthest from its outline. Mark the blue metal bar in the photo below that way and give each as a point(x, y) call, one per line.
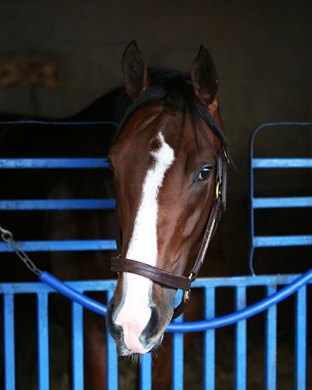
point(58, 204)
point(177, 358)
point(248, 281)
point(62, 245)
point(268, 163)
point(281, 163)
point(271, 124)
point(37, 287)
point(72, 294)
point(260, 203)
point(9, 345)
point(281, 241)
point(270, 344)
point(301, 339)
point(240, 343)
point(111, 356)
point(246, 313)
point(198, 326)
point(43, 341)
point(209, 340)
point(146, 372)
point(53, 163)
point(103, 285)
point(77, 346)
point(251, 197)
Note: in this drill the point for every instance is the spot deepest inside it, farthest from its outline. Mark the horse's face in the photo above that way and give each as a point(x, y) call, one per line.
point(164, 163)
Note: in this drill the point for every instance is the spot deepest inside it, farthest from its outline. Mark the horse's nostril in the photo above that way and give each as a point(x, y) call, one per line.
point(152, 326)
point(115, 330)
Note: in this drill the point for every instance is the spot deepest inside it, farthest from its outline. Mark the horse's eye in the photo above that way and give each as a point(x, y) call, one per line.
point(203, 174)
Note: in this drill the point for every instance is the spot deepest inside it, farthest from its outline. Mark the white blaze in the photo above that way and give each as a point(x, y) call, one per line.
point(135, 313)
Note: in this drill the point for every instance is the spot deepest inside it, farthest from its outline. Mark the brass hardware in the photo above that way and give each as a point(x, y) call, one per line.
point(218, 189)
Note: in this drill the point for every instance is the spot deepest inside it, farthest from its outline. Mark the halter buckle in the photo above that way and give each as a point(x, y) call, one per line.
point(218, 189)
point(187, 293)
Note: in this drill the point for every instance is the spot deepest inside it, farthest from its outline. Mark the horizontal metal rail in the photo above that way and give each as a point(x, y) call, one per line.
point(53, 163)
point(282, 241)
point(57, 204)
point(281, 163)
point(62, 245)
point(282, 202)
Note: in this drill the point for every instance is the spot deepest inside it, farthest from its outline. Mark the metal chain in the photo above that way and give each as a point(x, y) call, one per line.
point(8, 238)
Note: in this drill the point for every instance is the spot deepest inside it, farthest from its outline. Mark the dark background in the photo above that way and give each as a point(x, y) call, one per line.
point(263, 52)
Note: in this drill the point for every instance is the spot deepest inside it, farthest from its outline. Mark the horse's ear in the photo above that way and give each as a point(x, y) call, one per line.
point(134, 71)
point(204, 78)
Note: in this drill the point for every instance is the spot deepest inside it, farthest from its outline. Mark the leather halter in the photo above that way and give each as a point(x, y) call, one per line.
point(164, 278)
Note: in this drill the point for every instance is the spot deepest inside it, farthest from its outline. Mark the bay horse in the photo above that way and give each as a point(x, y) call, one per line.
point(167, 160)
point(169, 163)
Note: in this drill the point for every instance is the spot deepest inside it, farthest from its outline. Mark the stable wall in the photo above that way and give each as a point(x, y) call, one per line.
point(263, 52)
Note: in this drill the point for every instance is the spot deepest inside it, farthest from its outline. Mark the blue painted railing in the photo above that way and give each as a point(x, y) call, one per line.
point(295, 284)
point(257, 203)
point(241, 285)
point(198, 326)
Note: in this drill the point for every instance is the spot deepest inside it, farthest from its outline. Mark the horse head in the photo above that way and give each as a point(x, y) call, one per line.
point(166, 161)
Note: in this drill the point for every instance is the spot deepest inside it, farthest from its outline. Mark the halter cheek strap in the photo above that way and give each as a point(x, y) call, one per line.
point(164, 278)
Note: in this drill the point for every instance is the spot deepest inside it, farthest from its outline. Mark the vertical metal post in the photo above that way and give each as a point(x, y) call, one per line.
point(43, 341)
point(240, 343)
point(251, 200)
point(209, 341)
point(270, 343)
point(9, 349)
point(301, 339)
point(77, 346)
point(111, 357)
point(146, 372)
point(178, 354)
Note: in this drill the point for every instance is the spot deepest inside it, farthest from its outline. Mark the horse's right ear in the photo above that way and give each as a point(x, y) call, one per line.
point(204, 78)
point(134, 71)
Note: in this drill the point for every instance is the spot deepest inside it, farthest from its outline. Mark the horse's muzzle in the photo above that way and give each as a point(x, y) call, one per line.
point(149, 339)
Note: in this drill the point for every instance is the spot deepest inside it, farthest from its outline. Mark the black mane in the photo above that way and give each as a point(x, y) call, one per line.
point(174, 90)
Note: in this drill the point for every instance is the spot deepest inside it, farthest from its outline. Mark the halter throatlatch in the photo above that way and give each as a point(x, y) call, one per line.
point(164, 278)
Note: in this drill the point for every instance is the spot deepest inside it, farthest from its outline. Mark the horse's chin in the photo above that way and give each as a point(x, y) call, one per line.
point(136, 356)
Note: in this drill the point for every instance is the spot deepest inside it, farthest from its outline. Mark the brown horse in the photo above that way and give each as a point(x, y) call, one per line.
point(166, 162)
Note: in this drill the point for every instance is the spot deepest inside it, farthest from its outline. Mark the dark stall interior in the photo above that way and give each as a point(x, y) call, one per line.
point(58, 57)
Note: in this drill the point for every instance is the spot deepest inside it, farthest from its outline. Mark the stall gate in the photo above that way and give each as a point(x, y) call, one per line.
point(297, 285)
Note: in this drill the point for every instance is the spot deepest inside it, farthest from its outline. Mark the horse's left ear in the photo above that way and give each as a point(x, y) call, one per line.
point(134, 71)
point(204, 79)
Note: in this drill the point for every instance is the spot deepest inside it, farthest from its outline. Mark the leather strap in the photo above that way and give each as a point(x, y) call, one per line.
point(155, 274)
point(211, 227)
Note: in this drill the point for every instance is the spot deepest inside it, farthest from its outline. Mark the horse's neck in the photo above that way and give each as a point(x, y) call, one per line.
point(109, 107)
point(28, 141)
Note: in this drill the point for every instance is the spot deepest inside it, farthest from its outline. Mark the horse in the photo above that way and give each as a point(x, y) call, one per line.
point(169, 162)
point(168, 173)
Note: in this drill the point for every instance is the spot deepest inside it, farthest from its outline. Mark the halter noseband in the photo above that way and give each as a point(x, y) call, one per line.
point(164, 278)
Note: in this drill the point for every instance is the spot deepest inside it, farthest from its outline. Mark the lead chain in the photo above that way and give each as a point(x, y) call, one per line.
point(8, 238)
